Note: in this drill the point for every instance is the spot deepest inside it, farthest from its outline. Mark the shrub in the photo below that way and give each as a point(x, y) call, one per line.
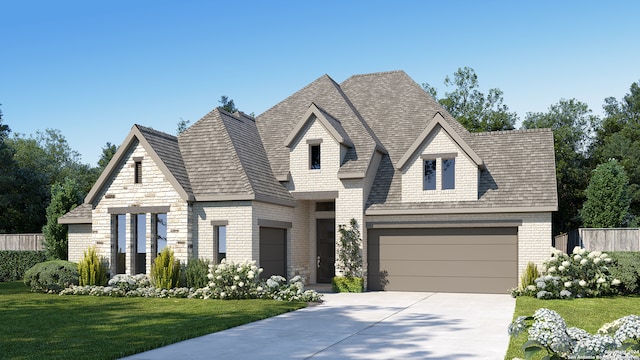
point(581, 274)
point(549, 333)
point(165, 271)
point(51, 276)
point(529, 276)
point(347, 284)
point(92, 269)
point(277, 288)
point(233, 281)
point(13, 264)
point(196, 273)
point(626, 267)
point(349, 254)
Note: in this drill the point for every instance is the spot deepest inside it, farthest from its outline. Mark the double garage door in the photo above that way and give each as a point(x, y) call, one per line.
point(479, 260)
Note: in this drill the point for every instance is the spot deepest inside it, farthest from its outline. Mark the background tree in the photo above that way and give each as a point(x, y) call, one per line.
point(108, 151)
point(618, 137)
point(182, 126)
point(607, 204)
point(227, 104)
point(572, 124)
point(473, 109)
point(64, 198)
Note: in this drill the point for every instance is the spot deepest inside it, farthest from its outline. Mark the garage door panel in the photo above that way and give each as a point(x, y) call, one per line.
point(447, 252)
point(444, 284)
point(472, 269)
point(453, 260)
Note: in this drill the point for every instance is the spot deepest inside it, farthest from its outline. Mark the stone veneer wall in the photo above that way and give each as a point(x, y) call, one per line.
point(534, 235)
point(155, 190)
point(79, 240)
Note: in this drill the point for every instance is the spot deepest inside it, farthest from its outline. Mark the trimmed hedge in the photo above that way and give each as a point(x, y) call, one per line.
point(51, 276)
point(13, 263)
point(626, 268)
point(347, 284)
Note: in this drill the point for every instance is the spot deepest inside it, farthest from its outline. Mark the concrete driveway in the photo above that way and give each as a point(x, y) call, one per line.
point(372, 325)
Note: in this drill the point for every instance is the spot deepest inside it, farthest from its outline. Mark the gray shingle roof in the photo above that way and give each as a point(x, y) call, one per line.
point(80, 215)
point(224, 156)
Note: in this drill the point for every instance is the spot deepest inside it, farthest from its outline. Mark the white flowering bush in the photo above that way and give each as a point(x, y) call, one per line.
point(226, 281)
point(549, 333)
point(581, 274)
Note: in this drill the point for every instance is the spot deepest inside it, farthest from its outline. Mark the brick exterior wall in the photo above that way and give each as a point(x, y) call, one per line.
point(466, 173)
point(154, 190)
point(79, 240)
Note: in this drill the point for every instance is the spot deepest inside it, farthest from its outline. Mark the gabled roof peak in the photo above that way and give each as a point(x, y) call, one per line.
point(331, 124)
point(438, 120)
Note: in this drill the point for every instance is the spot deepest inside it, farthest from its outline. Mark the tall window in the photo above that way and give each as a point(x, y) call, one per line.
point(448, 174)
point(138, 173)
point(161, 232)
point(221, 237)
point(429, 182)
point(141, 243)
point(314, 152)
point(121, 243)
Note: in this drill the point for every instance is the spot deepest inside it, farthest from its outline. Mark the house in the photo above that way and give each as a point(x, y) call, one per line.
point(440, 208)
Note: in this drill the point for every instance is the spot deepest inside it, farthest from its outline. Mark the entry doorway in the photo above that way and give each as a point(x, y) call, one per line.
point(326, 250)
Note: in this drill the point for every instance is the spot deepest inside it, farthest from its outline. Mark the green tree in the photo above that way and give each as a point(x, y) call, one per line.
point(227, 104)
point(64, 198)
point(572, 124)
point(349, 252)
point(107, 154)
point(618, 137)
point(607, 204)
point(472, 108)
point(182, 126)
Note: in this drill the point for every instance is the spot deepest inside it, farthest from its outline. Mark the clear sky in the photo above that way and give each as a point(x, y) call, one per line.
point(92, 69)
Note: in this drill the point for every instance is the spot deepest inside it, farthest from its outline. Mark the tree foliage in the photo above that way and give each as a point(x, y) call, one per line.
point(227, 104)
point(349, 252)
point(607, 204)
point(572, 124)
point(108, 151)
point(64, 198)
point(182, 126)
point(472, 108)
point(619, 138)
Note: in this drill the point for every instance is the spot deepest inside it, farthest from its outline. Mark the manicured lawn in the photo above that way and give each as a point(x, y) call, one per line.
point(48, 326)
point(587, 314)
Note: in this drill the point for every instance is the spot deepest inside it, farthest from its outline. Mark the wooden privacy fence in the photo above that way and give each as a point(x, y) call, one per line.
point(619, 239)
point(21, 242)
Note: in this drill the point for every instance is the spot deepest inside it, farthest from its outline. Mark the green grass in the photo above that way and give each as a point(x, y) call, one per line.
point(587, 314)
point(35, 325)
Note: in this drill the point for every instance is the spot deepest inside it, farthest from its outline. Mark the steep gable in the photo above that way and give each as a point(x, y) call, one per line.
point(164, 152)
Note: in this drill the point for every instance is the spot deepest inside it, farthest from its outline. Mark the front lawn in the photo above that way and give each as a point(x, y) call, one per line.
point(49, 326)
point(588, 314)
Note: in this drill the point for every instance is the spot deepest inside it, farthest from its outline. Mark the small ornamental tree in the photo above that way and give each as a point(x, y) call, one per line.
point(607, 204)
point(64, 198)
point(349, 260)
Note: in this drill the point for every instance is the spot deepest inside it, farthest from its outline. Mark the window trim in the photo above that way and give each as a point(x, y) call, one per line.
point(452, 173)
point(424, 175)
point(137, 172)
point(312, 156)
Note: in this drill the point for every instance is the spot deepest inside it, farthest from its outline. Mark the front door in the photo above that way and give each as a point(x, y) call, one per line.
point(326, 250)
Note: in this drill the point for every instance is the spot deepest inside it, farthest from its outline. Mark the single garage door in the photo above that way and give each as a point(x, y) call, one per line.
point(479, 260)
point(273, 252)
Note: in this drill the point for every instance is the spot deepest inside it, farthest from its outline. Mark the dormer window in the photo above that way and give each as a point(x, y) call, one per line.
point(448, 174)
point(439, 165)
point(314, 153)
point(429, 175)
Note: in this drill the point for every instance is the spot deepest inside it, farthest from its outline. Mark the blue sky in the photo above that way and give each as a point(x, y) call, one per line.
point(92, 69)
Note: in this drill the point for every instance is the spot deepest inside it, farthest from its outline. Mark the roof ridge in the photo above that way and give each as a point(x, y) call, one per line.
point(514, 131)
point(235, 156)
point(156, 132)
point(376, 73)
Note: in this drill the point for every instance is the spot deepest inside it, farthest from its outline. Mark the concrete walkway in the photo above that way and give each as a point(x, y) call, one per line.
point(372, 325)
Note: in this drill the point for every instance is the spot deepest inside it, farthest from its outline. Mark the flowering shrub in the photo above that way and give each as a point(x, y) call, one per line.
point(548, 332)
point(581, 274)
point(226, 281)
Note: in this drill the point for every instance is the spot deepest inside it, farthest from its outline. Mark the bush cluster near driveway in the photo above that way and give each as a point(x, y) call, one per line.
point(588, 314)
point(37, 325)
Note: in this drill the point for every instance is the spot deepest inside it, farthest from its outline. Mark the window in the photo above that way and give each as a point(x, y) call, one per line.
point(121, 242)
point(314, 161)
point(326, 206)
point(138, 173)
point(448, 174)
point(161, 232)
point(140, 227)
point(429, 175)
point(221, 237)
